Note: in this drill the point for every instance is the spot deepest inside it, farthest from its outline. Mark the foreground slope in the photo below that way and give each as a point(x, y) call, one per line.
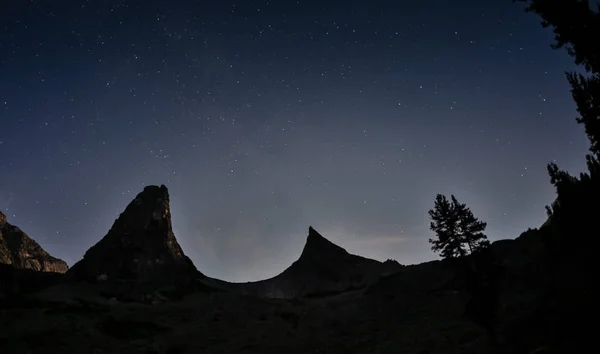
point(415, 310)
point(323, 268)
point(414, 319)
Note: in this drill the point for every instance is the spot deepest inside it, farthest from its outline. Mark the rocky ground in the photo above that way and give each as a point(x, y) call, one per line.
point(390, 318)
point(417, 310)
point(413, 311)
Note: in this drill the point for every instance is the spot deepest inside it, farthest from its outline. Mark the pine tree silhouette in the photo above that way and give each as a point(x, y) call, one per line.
point(459, 232)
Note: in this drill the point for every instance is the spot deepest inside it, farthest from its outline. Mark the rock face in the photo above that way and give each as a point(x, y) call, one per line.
point(323, 268)
point(20, 251)
point(140, 249)
point(16, 283)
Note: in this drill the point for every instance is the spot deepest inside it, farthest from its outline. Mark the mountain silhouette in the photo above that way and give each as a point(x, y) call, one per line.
point(322, 268)
point(140, 255)
point(20, 251)
point(328, 298)
point(140, 248)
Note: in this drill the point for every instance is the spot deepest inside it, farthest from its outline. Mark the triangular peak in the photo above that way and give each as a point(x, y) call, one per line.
point(140, 246)
point(317, 245)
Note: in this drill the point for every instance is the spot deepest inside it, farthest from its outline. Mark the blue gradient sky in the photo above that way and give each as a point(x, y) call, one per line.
point(264, 118)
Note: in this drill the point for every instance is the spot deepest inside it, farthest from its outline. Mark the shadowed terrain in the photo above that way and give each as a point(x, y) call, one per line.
point(328, 301)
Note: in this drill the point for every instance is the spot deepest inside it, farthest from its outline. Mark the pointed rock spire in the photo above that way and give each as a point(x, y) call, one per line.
point(318, 246)
point(140, 246)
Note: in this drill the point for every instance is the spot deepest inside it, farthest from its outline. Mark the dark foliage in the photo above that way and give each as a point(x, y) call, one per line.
point(576, 27)
point(586, 93)
point(458, 231)
point(570, 235)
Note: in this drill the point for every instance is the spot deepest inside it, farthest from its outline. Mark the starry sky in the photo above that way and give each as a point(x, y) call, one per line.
point(265, 117)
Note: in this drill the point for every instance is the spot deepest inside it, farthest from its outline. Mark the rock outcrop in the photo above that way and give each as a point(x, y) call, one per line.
point(22, 252)
point(323, 268)
point(17, 283)
point(140, 250)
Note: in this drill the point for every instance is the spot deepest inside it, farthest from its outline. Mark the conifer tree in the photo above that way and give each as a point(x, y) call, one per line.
point(576, 27)
point(459, 232)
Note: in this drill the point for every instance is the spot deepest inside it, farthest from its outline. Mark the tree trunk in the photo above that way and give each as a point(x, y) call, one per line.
point(470, 248)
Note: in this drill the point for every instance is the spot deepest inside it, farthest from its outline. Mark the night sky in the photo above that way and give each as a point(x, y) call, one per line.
point(265, 117)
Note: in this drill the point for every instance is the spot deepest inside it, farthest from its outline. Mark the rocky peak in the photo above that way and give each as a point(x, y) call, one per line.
point(393, 262)
point(140, 247)
point(318, 246)
point(20, 251)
